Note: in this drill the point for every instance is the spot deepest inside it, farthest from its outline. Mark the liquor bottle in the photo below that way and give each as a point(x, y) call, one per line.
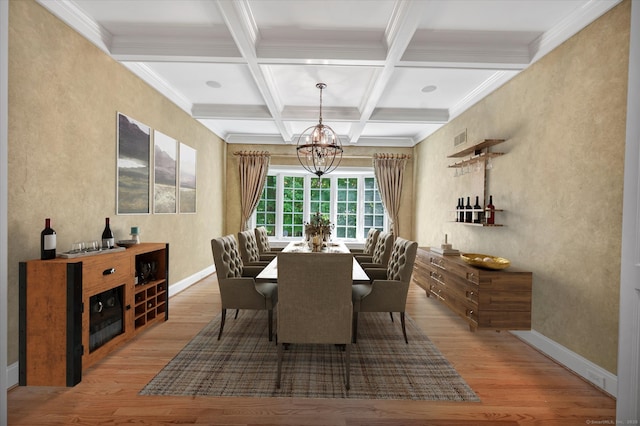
point(468, 214)
point(107, 236)
point(47, 241)
point(491, 211)
point(478, 211)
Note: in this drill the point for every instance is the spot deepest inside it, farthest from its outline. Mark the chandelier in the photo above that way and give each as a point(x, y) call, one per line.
point(319, 149)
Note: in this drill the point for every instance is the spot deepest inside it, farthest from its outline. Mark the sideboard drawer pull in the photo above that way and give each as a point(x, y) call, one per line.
point(109, 271)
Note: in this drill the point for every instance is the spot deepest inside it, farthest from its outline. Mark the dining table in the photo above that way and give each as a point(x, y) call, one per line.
point(270, 272)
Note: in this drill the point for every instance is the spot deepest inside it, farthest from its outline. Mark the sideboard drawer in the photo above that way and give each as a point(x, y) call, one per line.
point(104, 272)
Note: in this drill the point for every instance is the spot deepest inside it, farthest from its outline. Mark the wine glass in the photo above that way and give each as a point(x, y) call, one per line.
point(77, 247)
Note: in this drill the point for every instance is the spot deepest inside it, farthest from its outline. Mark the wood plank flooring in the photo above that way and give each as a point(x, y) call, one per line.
point(516, 384)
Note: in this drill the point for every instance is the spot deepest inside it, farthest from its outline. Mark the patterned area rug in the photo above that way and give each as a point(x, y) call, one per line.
point(244, 363)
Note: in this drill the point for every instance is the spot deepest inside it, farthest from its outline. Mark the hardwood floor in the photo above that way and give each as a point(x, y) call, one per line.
point(516, 384)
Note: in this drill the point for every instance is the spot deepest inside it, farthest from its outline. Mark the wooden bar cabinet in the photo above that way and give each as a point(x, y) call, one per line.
point(485, 299)
point(74, 311)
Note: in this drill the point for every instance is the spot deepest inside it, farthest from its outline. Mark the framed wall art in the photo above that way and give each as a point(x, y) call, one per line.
point(134, 159)
point(187, 179)
point(165, 177)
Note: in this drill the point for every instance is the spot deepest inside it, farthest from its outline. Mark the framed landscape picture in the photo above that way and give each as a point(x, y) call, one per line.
point(165, 177)
point(134, 159)
point(187, 179)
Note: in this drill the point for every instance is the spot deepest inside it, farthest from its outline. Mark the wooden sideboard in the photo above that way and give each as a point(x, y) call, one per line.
point(485, 299)
point(75, 311)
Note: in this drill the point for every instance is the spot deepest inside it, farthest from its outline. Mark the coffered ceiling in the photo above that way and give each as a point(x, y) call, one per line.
point(396, 70)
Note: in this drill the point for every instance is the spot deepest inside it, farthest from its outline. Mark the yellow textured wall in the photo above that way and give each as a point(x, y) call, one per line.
point(286, 155)
point(64, 94)
point(560, 184)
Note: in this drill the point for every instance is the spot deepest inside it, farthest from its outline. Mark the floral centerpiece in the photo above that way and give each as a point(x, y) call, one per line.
point(318, 225)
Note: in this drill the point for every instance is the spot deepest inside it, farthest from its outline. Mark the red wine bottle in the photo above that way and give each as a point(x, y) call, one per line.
point(491, 211)
point(477, 211)
point(468, 213)
point(47, 241)
point(107, 236)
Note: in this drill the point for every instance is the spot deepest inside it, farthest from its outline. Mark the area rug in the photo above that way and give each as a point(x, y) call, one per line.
point(243, 363)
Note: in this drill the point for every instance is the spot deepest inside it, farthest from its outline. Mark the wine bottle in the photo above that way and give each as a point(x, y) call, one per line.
point(461, 214)
point(107, 236)
point(47, 241)
point(491, 211)
point(478, 210)
point(468, 214)
point(458, 211)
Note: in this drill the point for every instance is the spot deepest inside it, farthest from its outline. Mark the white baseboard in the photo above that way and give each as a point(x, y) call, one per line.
point(591, 372)
point(12, 375)
point(181, 285)
point(13, 369)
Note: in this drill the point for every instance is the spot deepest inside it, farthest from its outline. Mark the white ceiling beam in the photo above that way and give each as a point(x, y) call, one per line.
point(400, 29)
point(173, 48)
point(239, 19)
point(453, 46)
point(310, 113)
point(410, 115)
point(230, 112)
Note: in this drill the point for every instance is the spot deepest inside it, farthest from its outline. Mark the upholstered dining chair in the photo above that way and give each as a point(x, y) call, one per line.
point(388, 290)
point(238, 291)
point(314, 291)
point(262, 238)
point(381, 253)
point(249, 250)
point(369, 243)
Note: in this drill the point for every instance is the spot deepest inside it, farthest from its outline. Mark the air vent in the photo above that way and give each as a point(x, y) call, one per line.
point(460, 138)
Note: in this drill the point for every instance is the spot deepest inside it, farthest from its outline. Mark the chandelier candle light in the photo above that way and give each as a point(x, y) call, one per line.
point(319, 148)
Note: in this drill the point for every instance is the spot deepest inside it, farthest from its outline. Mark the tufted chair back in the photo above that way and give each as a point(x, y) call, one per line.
point(402, 259)
point(262, 238)
point(370, 243)
point(248, 247)
point(226, 257)
point(383, 248)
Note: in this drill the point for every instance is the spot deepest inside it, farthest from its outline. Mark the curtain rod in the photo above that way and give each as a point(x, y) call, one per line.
point(363, 157)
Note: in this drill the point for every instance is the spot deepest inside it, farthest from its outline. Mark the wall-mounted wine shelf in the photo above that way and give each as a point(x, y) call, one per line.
point(478, 153)
point(479, 156)
point(476, 213)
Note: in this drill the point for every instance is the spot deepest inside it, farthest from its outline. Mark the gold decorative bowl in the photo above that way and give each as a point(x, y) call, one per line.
point(485, 261)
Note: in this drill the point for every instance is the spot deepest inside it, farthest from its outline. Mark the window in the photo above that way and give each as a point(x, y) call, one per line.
point(293, 207)
point(347, 208)
point(350, 199)
point(373, 208)
point(266, 210)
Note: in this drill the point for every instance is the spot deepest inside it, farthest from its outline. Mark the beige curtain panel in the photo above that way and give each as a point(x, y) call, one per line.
point(253, 167)
point(389, 172)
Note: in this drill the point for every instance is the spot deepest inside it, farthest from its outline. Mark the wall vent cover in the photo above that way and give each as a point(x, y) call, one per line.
point(460, 138)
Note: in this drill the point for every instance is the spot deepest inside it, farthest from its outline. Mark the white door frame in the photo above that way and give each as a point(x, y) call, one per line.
point(628, 408)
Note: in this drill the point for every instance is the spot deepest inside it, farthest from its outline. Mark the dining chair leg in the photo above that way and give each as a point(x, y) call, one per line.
point(404, 329)
point(270, 325)
point(354, 331)
point(348, 364)
point(237, 310)
point(391, 315)
point(222, 318)
point(280, 352)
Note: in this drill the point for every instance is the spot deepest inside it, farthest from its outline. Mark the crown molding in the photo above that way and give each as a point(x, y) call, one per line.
point(69, 13)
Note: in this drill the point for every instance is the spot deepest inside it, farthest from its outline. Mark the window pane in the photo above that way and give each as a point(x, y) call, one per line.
point(266, 209)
